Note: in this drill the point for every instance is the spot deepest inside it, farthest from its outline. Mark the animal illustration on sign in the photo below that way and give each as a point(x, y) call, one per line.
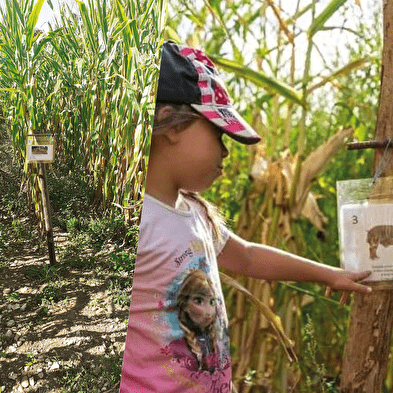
point(380, 234)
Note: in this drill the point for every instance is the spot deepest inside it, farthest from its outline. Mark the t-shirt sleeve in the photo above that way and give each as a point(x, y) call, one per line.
point(219, 244)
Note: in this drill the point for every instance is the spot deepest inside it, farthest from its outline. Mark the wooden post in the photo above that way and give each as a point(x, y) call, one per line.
point(47, 213)
point(368, 346)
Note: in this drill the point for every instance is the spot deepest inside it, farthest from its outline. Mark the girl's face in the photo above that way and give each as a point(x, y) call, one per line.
point(200, 154)
point(201, 308)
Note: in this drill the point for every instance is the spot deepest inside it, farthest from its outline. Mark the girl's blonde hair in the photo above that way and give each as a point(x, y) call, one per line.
point(195, 281)
point(182, 116)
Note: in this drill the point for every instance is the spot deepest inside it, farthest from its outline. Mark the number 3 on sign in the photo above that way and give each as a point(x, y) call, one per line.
point(355, 220)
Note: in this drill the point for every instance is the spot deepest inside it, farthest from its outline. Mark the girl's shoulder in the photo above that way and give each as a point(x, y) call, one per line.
point(151, 204)
point(189, 206)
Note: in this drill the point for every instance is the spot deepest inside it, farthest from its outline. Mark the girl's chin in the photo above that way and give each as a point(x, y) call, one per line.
point(199, 188)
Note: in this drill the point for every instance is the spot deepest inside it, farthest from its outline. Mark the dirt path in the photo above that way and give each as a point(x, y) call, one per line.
point(59, 329)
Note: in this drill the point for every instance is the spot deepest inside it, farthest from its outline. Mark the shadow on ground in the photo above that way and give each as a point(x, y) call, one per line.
point(61, 329)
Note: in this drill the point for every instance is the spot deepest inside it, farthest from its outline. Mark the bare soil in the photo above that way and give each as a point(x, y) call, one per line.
point(50, 348)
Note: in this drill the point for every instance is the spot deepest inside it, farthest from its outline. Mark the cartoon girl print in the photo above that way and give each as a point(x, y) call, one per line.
point(197, 313)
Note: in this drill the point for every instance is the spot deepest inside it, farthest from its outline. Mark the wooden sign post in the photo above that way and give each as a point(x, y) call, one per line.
point(47, 213)
point(368, 346)
point(40, 149)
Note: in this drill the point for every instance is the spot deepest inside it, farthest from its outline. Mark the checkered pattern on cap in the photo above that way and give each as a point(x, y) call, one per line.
point(188, 76)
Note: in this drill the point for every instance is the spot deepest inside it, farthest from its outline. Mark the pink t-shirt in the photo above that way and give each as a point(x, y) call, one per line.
point(177, 338)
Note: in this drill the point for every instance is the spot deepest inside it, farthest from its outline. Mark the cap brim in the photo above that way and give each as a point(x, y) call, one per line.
point(229, 120)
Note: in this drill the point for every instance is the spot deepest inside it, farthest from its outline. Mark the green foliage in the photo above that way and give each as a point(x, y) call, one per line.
point(104, 229)
point(89, 81)
point(122, 262)
point(91, 230)
point(46, 273)
point(50, 294)
point(70, 193)
point(118, 274)
point(32, 360)
point(229, 191)
point(86, 378)
point(259, 79)
point(73, 225)
point(4, 237)
point(74, 254)
point(13, 296)
point(319, 22)
point(120, 291)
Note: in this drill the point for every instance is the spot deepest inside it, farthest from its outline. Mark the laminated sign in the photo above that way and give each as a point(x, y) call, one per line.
point(40, 148)
point(365, 214)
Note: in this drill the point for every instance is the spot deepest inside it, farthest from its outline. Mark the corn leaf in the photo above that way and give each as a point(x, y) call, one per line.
point(267, 313)
point(347, 69)
point(31, 23)
point(324, 16)
point(259, 79)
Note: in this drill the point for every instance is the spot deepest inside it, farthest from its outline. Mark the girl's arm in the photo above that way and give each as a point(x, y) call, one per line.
point(268, 263)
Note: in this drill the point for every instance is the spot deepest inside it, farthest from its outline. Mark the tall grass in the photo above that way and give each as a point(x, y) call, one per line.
point(90, 81)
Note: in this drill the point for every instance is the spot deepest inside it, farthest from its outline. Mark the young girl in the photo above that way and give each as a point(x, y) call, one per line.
point(177, 339)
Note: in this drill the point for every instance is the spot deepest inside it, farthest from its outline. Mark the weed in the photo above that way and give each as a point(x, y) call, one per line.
point(42, 313)
point(122, 261)
point(17, 230)
point(86, 378)
point(75, 255)
point(32, 360)
point(316, 378)
point(33, 272)
point(50, 294)
point(46, 273)
point(132, 236)
point(121, 298)
point(69, 197)
point(4, 237)
point(73, 225)
point(111, 368)
point(13, 296)
point(82, 262)
point(120, 289)
point(103, 229)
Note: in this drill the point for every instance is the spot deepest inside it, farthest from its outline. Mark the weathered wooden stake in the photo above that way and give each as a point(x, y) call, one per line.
point(368, 346)
point(47, 213)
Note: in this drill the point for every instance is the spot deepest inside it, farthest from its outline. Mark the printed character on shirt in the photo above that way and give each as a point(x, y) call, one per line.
point(177, 339)
point(197, 313)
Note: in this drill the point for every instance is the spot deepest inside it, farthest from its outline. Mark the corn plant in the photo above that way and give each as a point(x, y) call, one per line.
point(90, 81)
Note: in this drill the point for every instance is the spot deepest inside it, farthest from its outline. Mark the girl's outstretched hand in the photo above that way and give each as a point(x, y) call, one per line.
point(348, 282)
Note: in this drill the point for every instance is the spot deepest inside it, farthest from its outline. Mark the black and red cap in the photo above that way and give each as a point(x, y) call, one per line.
point(188, 76)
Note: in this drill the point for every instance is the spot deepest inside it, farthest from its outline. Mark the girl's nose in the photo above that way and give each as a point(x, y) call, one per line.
point(211, 315)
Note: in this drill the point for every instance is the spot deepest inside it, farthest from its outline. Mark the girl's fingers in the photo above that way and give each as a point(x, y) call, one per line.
point(354, 286)
point(361, 276)
point(344, 298)
point(362, 288)
point(359, 288)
